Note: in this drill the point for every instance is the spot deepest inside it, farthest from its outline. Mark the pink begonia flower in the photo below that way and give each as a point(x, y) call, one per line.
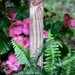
point(18, 68)
point(16, 28)
point(71, 23)
point(26, 28)
point(44, 33)
point(67, 17)
point(9, 71)
point(26, 42)
point(12, 62)
point(12, 15)
point(18, 39)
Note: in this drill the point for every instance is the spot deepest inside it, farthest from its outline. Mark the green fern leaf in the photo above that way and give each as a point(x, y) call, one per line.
point(51, 53)
point(21, 54)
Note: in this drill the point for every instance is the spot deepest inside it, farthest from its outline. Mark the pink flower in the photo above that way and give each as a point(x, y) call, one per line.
point(18, 39)
point(18, 68)
point(26, 28)
point(71, 23)
point(22, 40)
point(67, 18)
point(44, 33)
point(12, 62)
point(12, 15)
point(9, 71)
point(26, 42)
point(16, 28)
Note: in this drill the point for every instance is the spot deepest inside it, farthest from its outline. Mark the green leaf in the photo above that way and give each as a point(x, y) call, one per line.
point(5, 44)
point(4, 26)
point(22, 12)
point(66, 31)
point(55, 28)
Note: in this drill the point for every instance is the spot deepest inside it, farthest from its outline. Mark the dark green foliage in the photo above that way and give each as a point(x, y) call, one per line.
point(64, 48)
point(16, 2)
point(5, 44)
point(55, 27)
point(24, 10)
point(4, 25)
point(66, 31)
point(18, 10)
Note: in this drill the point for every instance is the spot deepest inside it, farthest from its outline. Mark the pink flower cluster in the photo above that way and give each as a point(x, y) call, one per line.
point(17, 29)
point(13, 64)
point(69, 21)
point(20, 30)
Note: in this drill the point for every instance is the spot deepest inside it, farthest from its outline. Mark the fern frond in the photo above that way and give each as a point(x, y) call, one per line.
point(66, 61)
point(21, 54)
point(51, 53)
point(50, 36)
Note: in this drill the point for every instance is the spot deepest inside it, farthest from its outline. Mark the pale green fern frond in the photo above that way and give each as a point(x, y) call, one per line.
point(21, 54)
